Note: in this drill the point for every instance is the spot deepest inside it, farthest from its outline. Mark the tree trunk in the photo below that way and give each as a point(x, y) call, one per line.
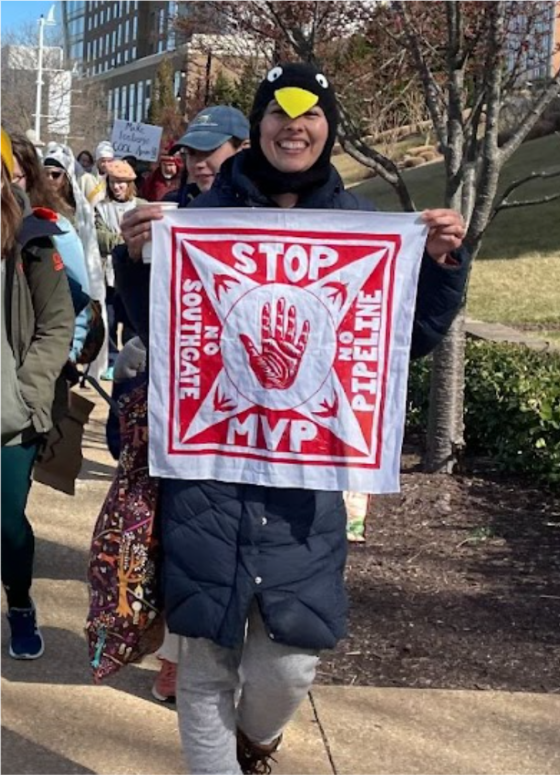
point(447, 388)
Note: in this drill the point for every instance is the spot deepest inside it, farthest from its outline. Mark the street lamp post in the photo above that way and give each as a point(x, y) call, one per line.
point(39, 98)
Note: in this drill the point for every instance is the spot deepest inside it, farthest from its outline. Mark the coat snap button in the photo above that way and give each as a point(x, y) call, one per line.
point(264, 521)
point(258, 580)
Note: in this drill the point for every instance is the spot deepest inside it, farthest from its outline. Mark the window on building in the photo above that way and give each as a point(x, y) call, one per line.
point(131, 101)
point(147, 95)
point(134, 49)
point(135, 28)
point(123, 102)
point(140, 102)
point(116, 104)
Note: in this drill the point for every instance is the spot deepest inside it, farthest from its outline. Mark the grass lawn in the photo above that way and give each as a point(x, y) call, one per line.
point(516, 277)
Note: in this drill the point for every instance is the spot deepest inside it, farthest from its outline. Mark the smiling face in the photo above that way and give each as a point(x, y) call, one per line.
point(293, 144)
point(119, 188)
point(203, 166)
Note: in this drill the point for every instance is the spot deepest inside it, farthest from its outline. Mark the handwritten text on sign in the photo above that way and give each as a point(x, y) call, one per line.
point(131, 138)
point(280, 353)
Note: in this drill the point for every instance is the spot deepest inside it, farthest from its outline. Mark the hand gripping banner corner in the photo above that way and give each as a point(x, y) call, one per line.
point(279, 346)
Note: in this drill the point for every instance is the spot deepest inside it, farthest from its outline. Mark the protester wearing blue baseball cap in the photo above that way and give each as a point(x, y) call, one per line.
point(215, 134)
point(213, 127)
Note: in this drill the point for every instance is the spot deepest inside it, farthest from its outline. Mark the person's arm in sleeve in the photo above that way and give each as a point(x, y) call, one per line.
point(132, 276)
point(54, 327)
point(132, 281)
point(106, 238)
point(441, 292)
point(443, 279)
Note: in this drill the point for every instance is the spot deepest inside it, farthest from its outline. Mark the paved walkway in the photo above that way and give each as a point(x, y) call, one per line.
point(55, 721)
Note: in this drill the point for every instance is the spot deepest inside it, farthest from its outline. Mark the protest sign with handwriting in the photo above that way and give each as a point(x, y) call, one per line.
point(131, 138)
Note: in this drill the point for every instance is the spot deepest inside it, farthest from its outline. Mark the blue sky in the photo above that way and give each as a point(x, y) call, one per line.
point(18, 13)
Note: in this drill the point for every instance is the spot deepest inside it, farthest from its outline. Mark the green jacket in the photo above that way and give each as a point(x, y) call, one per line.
point(39, 321)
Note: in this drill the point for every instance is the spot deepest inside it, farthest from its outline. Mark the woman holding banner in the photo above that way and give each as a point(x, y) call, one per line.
point(254, 575)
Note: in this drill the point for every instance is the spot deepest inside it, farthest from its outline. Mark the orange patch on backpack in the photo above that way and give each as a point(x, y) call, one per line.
point(57, 262)
point(45, 214)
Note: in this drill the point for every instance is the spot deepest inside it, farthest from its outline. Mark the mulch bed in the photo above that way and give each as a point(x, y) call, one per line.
point(458, 586)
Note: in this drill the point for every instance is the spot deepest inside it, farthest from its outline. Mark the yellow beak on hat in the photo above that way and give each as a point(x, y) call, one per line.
point(295, 102)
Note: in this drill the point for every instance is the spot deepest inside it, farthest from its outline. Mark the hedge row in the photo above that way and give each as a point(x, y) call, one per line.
point(512, 407)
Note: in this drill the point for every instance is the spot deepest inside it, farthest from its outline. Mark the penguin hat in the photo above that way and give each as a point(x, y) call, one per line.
point(297, 87)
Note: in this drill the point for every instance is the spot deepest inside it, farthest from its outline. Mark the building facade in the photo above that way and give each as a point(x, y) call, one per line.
point(118, 46)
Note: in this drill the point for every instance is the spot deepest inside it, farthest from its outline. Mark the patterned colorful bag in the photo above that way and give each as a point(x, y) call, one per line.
point(124, 622)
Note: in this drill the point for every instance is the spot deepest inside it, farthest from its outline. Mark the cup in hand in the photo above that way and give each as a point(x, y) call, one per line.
point(147, 247)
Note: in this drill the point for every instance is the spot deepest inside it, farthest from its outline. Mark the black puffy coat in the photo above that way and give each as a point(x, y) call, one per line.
point(225, 544)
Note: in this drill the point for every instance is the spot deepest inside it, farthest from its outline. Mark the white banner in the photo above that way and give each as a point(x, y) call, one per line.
point(279, 346)
point(131, 138)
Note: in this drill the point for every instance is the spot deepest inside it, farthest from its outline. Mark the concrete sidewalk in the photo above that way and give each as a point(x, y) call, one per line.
point(55, 721)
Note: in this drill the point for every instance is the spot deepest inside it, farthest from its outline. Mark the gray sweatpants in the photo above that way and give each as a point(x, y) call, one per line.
point(256, 687)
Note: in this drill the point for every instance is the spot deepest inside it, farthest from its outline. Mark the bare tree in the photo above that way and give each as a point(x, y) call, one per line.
point(466, 84)
point(84, 105)
point(470, 60)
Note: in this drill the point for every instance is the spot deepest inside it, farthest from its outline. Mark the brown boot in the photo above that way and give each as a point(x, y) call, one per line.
point(253, 758)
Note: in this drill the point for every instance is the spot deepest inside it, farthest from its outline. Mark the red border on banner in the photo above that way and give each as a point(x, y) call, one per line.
point(199, 232)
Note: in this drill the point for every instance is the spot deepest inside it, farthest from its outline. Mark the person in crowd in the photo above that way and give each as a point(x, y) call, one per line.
point(214, 135)
point(93, 184)
point(85, 160)
point(254, 575)
point(30, 176)
point(165, 179)
point(222, 137)
point(37, 324)
point(120, 198)
point(59, 167)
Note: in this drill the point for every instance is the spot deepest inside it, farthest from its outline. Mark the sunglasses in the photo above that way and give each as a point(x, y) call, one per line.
point(54, 174)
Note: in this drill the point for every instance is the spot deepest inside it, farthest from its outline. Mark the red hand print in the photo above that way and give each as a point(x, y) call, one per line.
point(277, 365)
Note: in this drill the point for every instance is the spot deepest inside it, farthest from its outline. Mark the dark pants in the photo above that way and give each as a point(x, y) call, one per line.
point(112, 332)
point(18, 542)
point(116, 314)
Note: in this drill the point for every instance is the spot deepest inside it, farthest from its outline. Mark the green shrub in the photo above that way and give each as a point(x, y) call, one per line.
point(512, 407)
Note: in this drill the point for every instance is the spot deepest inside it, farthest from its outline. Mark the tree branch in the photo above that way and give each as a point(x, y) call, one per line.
point(503, 203)
point(531, 117)
point(431, 89)
point(355, 147)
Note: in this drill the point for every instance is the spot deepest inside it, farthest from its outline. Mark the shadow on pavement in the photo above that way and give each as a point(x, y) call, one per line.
point(22, 757)
point(98, 472)
point(66, 662)
point(58, 562)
